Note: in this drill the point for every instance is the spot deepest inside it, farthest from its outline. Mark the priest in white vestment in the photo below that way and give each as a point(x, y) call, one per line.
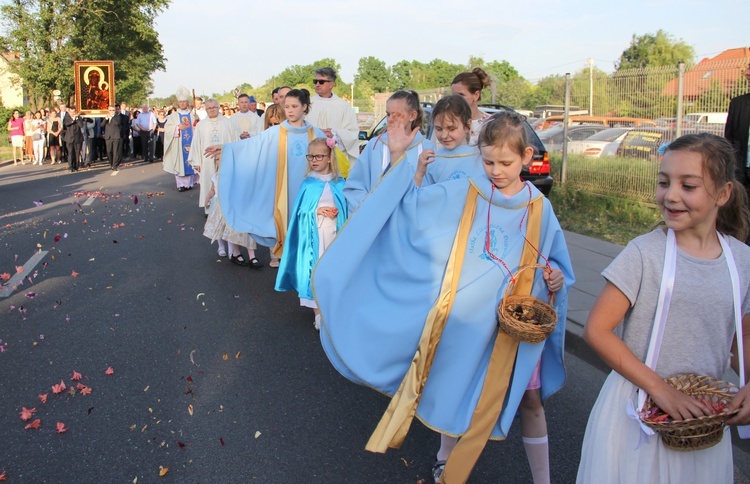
point(214, 130)
point(178, 136)
point(333, 115)
point(246, 122)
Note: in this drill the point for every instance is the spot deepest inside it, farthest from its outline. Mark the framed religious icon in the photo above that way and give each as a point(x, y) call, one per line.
point(95, 86)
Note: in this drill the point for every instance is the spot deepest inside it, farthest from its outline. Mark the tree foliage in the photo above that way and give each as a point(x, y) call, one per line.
point(51, 34)
point(548, 90)
point(374, 72)
point(651, 50)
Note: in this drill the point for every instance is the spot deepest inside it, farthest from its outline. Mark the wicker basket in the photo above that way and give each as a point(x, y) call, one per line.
point(522, 329)
point(700, 432)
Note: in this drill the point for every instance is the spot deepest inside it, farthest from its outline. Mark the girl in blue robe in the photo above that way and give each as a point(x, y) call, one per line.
point(260, 176)
point(411, 255)
point(454, 158)
point(377, 157)
point(318, 214)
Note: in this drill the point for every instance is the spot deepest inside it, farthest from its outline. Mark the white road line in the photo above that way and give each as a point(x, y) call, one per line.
point(89, 201)
point(8, 287)
point(115, 173)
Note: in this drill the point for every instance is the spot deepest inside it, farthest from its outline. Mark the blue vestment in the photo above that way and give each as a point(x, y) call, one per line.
point(377, 282)
point(374, 160)
point(247, 176)
point(301, 251)
point(461, 162)
point(186, 139)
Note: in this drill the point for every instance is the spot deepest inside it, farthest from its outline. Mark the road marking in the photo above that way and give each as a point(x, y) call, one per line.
point(115, 173)
point(89, 201)
point(14, 281)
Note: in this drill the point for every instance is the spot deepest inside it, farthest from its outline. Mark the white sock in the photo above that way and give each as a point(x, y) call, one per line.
point(222, 244)
point(447, 443)
point(537, 452)
point(234, 249)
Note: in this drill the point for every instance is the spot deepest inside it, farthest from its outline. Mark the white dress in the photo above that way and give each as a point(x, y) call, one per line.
point(326, 226)
point(610, 452)
point(216, 227)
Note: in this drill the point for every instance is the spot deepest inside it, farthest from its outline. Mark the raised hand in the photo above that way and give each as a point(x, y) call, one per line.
point(214, 152)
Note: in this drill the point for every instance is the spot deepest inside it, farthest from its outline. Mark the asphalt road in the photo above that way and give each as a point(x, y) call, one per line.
point(215, 376)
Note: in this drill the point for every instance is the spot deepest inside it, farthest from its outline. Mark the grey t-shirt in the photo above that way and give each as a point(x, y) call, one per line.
point(700, 324)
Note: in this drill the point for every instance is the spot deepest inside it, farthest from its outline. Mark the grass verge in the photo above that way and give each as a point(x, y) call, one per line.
point(607, 218)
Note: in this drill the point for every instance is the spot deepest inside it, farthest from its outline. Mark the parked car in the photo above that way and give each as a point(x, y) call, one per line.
point(592, 146)
point(644, 143)
point(553, 137)
point(608, 121)
point(538, 171)
point(705, 118)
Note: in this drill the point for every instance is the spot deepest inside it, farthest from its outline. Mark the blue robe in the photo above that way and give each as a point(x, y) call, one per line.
point(379, 279)
point(247, 176)
point(461, 162)
point(186, 139)
point(301, 252)
point(367, 171)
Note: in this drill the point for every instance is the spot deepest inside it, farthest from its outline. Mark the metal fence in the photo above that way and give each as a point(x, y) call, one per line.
point(670, 96)
point(654, 92)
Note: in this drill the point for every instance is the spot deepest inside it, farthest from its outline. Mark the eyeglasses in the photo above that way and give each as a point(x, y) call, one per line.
point(317, 157)
point(321, 81)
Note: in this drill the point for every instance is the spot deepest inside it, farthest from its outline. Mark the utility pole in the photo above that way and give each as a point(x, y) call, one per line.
point(591, 86)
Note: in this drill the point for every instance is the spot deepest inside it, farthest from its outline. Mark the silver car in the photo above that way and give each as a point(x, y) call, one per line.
point(593, 145)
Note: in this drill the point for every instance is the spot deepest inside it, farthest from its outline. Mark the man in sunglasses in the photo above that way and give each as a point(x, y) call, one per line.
point(332, 114)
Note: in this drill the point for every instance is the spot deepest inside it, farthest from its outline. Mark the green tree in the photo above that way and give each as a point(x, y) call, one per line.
point(363, 96)
point(401, 74)
point(580, 91)
point(374, 72)
point(51, 34)
point(659, 49)
point(298, 76)
point(441, 73)
point(548, 90)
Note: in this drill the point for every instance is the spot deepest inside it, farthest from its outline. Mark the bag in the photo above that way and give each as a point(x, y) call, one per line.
point(36, 136)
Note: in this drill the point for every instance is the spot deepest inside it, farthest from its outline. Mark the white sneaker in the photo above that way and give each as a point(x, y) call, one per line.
point(317, 322)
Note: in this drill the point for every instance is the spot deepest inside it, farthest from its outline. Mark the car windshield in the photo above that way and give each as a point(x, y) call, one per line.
point(549, 133)
point(607, 135)
point(643, 138)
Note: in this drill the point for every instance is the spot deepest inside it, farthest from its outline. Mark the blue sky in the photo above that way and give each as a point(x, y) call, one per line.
point(215, 46)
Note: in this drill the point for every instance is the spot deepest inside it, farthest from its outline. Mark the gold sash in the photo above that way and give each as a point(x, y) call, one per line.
point(281, 200)
point(394, 425)
point(499, 372)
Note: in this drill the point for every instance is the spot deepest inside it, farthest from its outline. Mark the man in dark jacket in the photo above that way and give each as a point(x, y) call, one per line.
point(113, 137)
point(124, 130)
point(73, 137)
point(737, 130)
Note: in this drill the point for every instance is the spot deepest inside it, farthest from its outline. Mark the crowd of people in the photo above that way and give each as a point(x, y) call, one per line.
point(59, 135)
point(405, 250)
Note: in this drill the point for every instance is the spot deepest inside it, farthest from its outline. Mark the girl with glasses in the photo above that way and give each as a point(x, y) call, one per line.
point(318, 214)
point(261, 176)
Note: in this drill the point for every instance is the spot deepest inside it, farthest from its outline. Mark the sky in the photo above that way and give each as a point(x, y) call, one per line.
point(213, 47)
